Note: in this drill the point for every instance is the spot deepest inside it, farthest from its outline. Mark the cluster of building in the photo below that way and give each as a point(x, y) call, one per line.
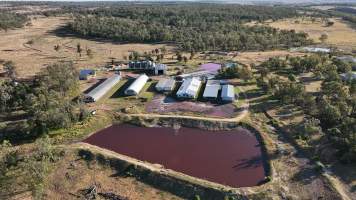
point(191, 84)
point(190, 88)
point(149, 66)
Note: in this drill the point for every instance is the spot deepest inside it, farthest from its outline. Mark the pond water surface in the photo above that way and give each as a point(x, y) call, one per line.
point(231, 158)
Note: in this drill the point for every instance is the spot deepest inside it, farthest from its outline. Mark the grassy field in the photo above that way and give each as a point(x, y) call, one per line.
point(32, 47)
point(340, 34)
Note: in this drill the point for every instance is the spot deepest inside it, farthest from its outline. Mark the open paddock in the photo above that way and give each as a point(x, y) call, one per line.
point(340, 34)
point(32, 47)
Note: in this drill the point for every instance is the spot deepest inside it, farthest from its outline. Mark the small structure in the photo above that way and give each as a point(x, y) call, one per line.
point(212, 89)
point(137, 85)
point(102, 89)
point(165, 85)
point(86, 74)
point(349, 59)
point(202, 74)
point(348, 76)
point(312, 49)
point(229, 65)
point(228, 93)
point(189, 88)
point(155, 68)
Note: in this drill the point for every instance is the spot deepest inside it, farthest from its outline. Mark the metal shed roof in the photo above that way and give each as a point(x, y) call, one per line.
point(137, 85)
point(103, 88)
point(189, 87)
point(165, 83)
point(212, 89)
point(228, 92)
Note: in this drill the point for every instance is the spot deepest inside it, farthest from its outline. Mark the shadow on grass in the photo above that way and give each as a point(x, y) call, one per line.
point(94, 86)
point(120, 93)
point(152, 87)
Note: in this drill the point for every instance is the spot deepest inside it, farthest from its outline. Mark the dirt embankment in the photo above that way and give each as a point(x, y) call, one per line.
point(178, 184)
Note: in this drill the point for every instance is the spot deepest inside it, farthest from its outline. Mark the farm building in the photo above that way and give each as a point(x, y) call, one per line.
point(312, 49)
point(102, 89)
point(203, 74)
point(137, 85)
point(349, 59)
point(165, 85)
point(229, 65)
point(228, 93)
point(348, 76)
point(189, 88)
point(86, 74)
point(154, 68)
point(212, 89)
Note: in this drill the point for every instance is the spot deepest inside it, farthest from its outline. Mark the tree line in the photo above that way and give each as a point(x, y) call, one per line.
point(10, 20)
point(191, 26)
point(331, 112)
point(47, 101)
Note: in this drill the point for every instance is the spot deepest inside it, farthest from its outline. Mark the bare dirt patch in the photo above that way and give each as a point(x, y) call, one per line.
point(164, 105)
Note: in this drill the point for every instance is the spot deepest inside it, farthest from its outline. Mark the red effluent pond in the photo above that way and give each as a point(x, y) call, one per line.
point(231, 158)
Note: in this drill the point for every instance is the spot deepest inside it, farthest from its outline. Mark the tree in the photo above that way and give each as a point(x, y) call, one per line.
point(9, 158)
point(10, 69)
point(185, 59)
point(192, 54)
point(163, 50)
point(90, 53)
point(323, 38)
point(6, 91)
point(57, 47)
point(245, 73)
point(79, 49)
point(179, 57)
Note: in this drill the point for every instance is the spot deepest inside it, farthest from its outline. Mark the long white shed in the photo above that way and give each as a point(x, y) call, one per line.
point(102, 89)
point(137, 85)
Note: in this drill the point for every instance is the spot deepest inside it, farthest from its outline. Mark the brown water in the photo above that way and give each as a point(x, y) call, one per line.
point(231, 158)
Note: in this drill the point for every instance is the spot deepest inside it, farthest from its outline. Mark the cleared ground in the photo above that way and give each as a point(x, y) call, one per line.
point(32, 47)
point(340, 34)
point(249, 58)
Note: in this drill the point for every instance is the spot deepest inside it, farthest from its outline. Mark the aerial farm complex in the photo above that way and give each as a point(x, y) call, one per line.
point(178, 100)
point(187, 86)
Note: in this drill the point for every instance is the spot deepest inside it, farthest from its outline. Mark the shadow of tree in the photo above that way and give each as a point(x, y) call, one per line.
point(252, 162)
point(306, 175)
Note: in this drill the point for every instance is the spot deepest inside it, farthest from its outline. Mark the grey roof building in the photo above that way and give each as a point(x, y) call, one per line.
point(228, 93)
point(102, 89)
point(212, 89)
point(155, 68)
point(348, 76)
point(137, 85)
point(189, 88)
point(165, 85)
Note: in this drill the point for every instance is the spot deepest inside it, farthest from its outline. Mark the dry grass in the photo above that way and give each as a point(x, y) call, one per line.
point(258, 57)
point(30, 58)
point(72, 175)
point(340, 34)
